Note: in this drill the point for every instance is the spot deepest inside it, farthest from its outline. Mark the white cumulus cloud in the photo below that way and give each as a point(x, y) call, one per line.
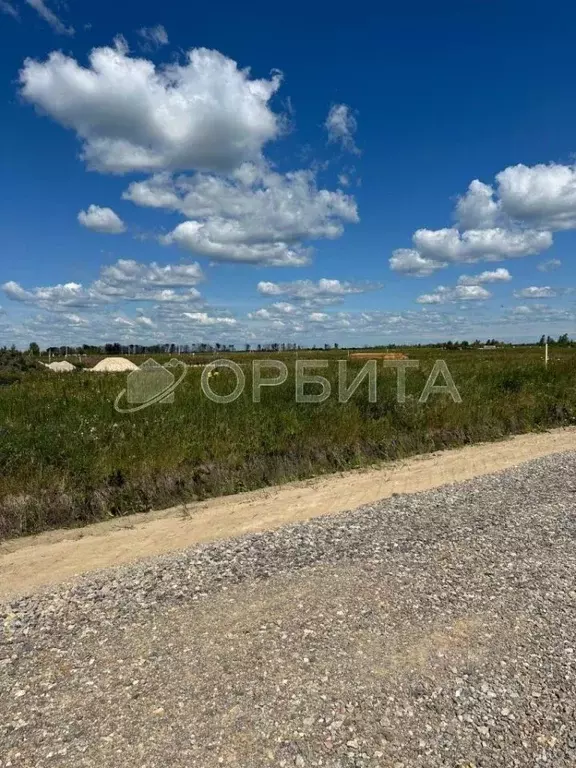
point(206, 116)
point(145, 321)
point(130, 115)
point(254, 215)
point(134, 273)
point(513, 217)
point(409, 262)
point(101, 220)
point(324, 290)
point(444, 295)
point(277, 309)
point(211, 242)
point(126, 280)
point(477, 209)
point(449, 245)
point(540, 195)
point(435, 249)
point(536, 292)
point(54, 296)
point(203, 318)
point(499, 275)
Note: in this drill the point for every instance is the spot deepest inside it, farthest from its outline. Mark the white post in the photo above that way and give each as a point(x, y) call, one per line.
point(546, 355)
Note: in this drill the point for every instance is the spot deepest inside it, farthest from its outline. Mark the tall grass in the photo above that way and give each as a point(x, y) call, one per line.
point(67, 457)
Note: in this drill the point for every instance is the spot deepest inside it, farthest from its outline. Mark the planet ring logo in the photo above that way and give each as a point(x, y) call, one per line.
point(151, 383)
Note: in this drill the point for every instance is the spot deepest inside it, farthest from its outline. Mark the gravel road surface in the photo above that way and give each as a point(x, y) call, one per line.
point(437, 629)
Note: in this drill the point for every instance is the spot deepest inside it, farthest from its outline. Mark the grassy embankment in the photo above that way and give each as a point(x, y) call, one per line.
point(68, 458)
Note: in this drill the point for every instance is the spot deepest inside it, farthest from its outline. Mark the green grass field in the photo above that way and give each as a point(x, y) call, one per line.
point(67, 457)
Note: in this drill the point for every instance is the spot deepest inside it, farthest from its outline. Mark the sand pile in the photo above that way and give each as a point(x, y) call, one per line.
point(114, 365)
point(62, 367)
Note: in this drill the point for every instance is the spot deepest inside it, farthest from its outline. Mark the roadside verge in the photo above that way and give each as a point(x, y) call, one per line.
point(32, 563)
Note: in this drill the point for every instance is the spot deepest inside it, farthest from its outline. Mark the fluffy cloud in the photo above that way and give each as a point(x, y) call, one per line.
point(512, 218)
point(549, 265)
point(540, 314)
point(499, 275)
point(477, 209)
point(55, 296)
point(207, 116)
point(156, 324)
point(207, 241)
point(169, 296)
point(536, 292)
point(278, 308)
point(444, 295)
point(101, 220)
point(147, 322)
point(133, 116)
point(264, 205)
point(255, 215)
point(423, 324)
point(134, 281)
point(449, 245)
point(153, 37)
point(49, 16)
point(541, 195)
point(135, 274)
point(341, 126)
point(538, 197)
point(134, 324)
point(409, 262)
point(127, 280)
point(76, 319)
point(322, 291)
point(203, 318)
point(307, 295)
point(435, 249)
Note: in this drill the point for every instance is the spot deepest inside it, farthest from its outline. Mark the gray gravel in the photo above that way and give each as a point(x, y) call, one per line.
point(437, 629)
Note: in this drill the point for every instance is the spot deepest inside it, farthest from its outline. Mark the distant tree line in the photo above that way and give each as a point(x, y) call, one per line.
point(116, 348)
point(562, 341)
point(171, 349)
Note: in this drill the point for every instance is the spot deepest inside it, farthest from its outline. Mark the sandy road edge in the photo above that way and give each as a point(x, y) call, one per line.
point(57, 556)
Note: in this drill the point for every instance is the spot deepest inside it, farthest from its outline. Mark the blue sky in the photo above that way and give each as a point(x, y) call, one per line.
point(300, 174)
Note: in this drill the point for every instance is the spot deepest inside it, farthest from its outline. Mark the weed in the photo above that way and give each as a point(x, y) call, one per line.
point(68, 458)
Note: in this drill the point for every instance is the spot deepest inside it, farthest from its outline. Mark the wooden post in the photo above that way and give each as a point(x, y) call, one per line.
point(546, 355)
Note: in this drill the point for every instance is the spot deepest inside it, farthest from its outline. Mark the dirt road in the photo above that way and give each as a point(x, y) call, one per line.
point(54, 557)
point(430, 630)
